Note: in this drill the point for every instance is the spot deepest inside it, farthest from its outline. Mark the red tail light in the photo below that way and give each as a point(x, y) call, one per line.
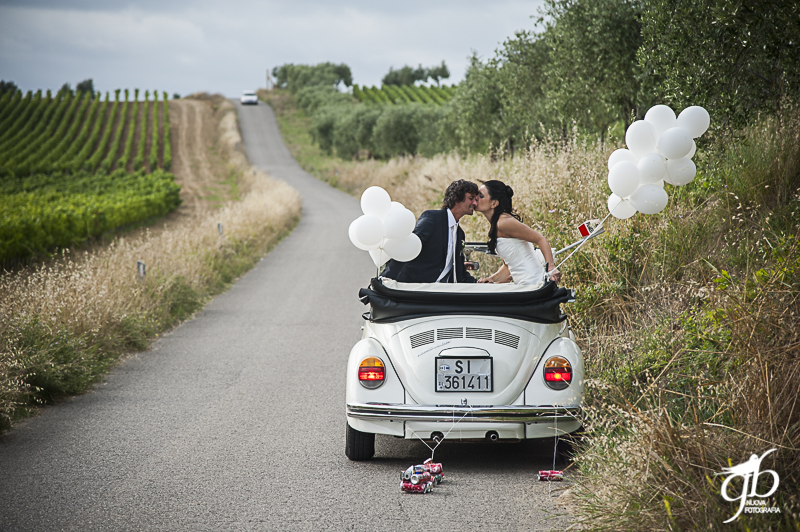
point(371, 372)
point(557, 373)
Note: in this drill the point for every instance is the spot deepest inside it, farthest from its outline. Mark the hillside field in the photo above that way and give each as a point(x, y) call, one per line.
point(73, 166)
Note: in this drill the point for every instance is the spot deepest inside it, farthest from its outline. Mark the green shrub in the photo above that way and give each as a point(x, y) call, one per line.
point(396, 131)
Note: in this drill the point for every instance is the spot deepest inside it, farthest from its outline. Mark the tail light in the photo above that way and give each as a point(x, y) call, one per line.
point(371, 372)
point(557, 373)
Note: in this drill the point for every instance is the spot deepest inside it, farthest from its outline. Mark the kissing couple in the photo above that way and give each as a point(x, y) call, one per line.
point(442, 259)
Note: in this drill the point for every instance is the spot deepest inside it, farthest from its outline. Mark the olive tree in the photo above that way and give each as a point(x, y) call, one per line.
point(734, 57)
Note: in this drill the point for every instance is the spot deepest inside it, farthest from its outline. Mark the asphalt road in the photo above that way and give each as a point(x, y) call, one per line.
point(235, 420)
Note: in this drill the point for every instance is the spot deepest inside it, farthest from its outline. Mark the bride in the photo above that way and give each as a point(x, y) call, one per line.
point(512, 240)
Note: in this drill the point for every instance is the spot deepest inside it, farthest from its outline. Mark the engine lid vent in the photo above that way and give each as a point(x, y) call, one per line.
point(450, 333)
point(479, 334)
point(422, 338)
point(504, 338)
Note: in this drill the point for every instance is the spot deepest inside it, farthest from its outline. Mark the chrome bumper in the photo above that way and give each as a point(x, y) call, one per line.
point(446, 413)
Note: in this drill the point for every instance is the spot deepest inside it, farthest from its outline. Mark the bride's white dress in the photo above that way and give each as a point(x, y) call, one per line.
point(525, 262)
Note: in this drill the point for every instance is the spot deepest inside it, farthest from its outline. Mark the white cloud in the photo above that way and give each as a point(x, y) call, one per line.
point(224, 47)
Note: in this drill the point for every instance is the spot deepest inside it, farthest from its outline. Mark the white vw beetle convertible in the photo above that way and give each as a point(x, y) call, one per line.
point(462, 361)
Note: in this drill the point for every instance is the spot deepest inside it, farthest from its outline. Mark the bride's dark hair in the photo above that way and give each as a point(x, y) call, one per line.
point(502, 193)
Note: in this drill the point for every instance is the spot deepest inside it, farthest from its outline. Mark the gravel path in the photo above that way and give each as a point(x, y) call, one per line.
point(235, 420)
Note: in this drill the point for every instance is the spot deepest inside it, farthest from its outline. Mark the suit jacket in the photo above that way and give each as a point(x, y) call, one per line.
point(432, 230)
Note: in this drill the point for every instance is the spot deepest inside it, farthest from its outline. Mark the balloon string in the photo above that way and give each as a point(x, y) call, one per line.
point(585, 240)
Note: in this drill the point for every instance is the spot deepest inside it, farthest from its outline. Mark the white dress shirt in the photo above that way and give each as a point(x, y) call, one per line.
point(450, 258)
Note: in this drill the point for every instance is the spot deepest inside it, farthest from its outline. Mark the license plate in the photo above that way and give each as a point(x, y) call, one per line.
point(464, 374)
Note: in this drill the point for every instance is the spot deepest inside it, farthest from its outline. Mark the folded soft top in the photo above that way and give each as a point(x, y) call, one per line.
point(391, 301)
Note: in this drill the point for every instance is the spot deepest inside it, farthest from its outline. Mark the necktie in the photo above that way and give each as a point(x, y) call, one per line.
point(455, 251)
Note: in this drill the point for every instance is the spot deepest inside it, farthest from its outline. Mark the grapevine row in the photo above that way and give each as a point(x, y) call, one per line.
point(122, 163)
point(153, 162)
point(35, 153)
point(167, 161)
point(66, 133)
point(97, 156)
point(138, 161)
point(401, 94)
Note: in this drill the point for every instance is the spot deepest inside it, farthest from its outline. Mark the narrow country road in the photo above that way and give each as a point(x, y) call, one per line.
point(235, 420)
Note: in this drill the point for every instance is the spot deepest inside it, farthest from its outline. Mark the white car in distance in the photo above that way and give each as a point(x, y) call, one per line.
point(249, 97)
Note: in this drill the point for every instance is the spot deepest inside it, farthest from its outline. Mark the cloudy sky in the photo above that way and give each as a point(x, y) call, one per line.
point(183, 46)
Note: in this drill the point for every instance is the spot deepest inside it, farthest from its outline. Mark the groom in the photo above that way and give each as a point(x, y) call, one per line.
point(441, 259)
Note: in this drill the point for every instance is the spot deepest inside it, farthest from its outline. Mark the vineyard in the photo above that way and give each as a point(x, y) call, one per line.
point(73, 166)
point(400, 94)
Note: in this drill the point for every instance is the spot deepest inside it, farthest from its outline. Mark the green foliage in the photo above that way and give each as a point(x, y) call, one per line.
point(296, 77)
point(93, 161)
point(122, 162)
point(400, 129)
point(167, 158)
point(402, 94)
point(409, 75)
point(138, 161)
point(41, 212)
point(8, 87)
point(314, 97)
point(65, 90)
point(592, 75)
point(736, 58)
point(55, 139)
point(476, 115)
point(86, 87)
point(153, 159)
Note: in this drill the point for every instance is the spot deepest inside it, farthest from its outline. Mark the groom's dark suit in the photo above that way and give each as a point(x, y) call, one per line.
point(432, 230)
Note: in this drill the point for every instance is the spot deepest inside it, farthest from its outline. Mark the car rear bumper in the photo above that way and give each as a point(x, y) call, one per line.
point(446, 413)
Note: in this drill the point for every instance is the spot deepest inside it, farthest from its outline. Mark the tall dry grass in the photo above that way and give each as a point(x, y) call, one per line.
point(689, 320)
point(62, 324)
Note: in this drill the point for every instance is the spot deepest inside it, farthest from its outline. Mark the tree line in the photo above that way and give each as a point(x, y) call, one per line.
point(588, 67)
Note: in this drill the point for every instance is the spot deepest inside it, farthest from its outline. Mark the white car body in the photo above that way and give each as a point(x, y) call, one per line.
point(249, 97)
point(411, 327)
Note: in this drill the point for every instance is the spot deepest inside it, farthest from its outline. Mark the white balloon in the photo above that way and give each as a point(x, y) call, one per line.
point(376, 201)
point(369, 230)
point(692, 151)
point(623, 178)
point(661, 117)
point(399, 222)
point(652, 168)
point(641, 137)
point(619, 156)
point(351, 232)
point(379, 257)
point(695, 120)
point(620, 208)
point(680, 171)
point(675, 143)
point(649, 199)
point(403, 249)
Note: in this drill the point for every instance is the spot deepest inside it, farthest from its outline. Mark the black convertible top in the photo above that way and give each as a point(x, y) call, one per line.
point(389, 304)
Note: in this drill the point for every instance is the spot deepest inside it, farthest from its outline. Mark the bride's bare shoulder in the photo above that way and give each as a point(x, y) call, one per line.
point(507, 221)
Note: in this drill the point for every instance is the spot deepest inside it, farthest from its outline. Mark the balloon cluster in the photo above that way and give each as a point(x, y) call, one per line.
point(660, 149)
point(385, 229)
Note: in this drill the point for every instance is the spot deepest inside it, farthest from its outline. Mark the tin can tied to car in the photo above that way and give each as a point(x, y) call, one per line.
point(551, 475)
point(416, 480)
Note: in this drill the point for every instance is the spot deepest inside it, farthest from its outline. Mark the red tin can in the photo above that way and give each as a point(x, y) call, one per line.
point(551, 475)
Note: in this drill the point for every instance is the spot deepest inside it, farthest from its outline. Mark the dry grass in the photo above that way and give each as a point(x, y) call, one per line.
point(689, 321)
point(62, 324)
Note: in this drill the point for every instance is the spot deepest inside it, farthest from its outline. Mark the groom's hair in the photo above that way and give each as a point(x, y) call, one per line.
point(457, 191)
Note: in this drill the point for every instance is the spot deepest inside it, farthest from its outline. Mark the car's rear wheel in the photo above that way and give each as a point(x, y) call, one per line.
point(359, 445)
